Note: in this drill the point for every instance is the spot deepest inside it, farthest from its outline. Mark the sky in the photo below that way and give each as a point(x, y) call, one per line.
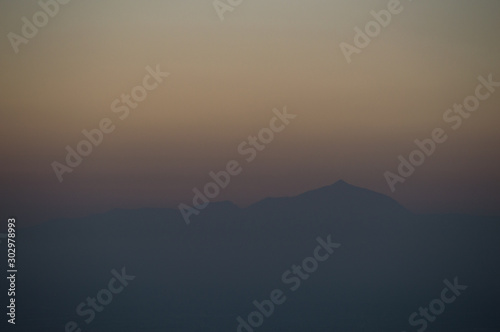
point(225, 79)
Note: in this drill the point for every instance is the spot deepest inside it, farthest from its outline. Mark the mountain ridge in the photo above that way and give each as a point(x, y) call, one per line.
point(388, 264)
point(331, 192)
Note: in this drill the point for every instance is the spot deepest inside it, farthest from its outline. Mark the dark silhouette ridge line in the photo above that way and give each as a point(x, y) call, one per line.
point(332, 192)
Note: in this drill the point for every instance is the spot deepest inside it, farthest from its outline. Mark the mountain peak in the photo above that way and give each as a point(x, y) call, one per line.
point(341, 183)
point(339, 186)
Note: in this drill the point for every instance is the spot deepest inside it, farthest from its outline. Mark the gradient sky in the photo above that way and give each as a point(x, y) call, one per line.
point(226, 77)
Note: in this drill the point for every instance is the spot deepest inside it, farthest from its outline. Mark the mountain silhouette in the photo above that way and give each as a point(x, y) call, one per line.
point(203, 276)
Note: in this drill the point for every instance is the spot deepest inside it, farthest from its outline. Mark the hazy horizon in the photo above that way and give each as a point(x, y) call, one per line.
point(226, 77)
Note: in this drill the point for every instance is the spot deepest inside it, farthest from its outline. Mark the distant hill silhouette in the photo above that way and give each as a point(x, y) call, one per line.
point(202, 276)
